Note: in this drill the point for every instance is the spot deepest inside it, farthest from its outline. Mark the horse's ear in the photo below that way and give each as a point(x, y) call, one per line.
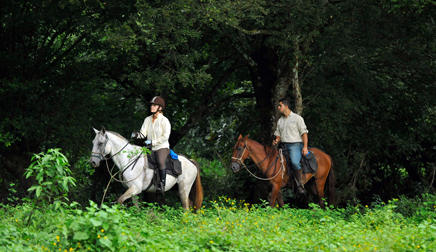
point(96, 131)
point(246, 137)
point(103, 130)
point(240, 137)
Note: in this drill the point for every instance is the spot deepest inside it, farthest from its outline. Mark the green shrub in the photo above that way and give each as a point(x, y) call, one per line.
point(51, 172)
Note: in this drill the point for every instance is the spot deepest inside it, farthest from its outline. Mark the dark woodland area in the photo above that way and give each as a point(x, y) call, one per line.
point(361, 73)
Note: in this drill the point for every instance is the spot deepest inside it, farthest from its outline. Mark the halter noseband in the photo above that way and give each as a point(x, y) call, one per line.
point(100, 155)
point(239, 160)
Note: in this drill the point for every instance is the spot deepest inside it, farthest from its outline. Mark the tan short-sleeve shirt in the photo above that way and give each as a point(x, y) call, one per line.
point(290, 129)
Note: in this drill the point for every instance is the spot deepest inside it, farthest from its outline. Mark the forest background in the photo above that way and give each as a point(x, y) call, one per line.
point(361, 73)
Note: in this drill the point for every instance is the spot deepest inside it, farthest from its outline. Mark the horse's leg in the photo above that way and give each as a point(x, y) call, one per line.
point(320, 190)
point(135, 200)
point(183, 192)
point(133, 190)
point(184, 198)
point(274, 193)
point(280, 199)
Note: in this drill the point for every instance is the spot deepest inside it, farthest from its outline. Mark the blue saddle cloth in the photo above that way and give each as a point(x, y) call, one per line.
point(173, 155)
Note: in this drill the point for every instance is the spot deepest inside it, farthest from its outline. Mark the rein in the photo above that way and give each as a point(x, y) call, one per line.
point(242, 162)
point(275, 161)
point(273, 177)
point(101, 156)
point(133, 163)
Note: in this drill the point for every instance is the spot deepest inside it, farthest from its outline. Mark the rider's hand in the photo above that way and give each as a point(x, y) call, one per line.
point(148, 142)
point(305, 151)
point(276, 140)
point(134, 135)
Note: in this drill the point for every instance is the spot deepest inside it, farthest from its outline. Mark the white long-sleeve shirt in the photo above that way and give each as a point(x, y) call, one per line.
point(158, 131)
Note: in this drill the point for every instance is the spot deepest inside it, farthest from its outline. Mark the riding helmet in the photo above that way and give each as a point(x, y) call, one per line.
point(158, 101)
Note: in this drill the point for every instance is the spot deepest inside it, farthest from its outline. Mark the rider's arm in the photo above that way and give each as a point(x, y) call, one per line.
point(305, 140)
point(165, 136)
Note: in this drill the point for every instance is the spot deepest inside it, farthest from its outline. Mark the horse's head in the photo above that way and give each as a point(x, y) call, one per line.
point(99, 147)
point(239, 153)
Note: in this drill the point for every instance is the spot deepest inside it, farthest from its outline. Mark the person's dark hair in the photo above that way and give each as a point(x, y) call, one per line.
point(285, 102)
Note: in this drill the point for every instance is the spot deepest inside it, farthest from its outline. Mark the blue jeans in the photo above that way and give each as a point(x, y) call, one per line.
point(295, 150)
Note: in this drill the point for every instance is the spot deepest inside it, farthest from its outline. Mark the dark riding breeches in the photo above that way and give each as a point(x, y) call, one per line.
point(161, 156)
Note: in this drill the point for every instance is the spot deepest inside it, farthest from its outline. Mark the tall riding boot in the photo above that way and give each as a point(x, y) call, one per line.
point(300, 184)
point(163, 176)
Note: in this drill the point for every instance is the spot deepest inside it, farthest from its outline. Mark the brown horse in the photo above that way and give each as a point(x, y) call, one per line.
point(273, 166)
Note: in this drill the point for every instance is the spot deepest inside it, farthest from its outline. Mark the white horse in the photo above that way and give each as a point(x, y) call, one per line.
point(137, 176)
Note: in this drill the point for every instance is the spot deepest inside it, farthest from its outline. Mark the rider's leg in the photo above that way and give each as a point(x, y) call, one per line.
point(161, 156)
point(295, 154)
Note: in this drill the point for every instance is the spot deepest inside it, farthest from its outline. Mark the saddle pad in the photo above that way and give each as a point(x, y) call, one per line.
point(173, 167)
point(309, 163)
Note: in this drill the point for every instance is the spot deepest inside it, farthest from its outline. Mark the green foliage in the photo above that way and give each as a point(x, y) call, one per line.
point(217, 179)
point(96, 229)
point(421, 207)
point(53, 176)
point(223, 224)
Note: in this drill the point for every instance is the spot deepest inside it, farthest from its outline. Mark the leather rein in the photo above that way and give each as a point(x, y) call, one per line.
point(240, 161)
point(101, 156)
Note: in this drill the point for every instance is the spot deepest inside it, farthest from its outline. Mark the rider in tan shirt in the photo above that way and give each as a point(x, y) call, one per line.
point(292, 131)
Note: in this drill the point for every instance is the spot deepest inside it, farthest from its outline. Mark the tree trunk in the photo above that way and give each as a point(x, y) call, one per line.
point(296, 85)
point(271, 79)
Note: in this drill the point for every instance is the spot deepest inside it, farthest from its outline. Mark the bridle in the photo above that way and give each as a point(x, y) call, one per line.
point(100, 155)
point(241, 162)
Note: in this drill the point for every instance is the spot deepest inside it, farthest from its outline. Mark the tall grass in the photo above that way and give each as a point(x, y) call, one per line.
point(223, 224)
point(48, 222)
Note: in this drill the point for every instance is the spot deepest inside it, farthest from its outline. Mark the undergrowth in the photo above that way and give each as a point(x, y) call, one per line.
point(223, 224)
point(49, 222)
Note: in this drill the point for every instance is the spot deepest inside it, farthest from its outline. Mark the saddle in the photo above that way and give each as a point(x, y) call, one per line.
point(308, 162)
point(173, 166)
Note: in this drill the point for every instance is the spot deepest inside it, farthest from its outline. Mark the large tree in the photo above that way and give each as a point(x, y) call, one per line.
point(51, 57)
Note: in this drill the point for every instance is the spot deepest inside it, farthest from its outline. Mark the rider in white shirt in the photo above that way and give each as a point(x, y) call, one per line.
point(157, 128)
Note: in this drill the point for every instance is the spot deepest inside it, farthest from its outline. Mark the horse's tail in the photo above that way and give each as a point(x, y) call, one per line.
point(196, 194)
point(331, 180)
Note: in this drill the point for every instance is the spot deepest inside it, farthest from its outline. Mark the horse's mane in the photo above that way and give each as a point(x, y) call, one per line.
point(117, 134)
point(268, 149)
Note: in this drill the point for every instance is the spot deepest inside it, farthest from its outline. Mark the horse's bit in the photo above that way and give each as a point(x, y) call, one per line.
point(100, 154)
point(242, 163)
point(240, 158)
